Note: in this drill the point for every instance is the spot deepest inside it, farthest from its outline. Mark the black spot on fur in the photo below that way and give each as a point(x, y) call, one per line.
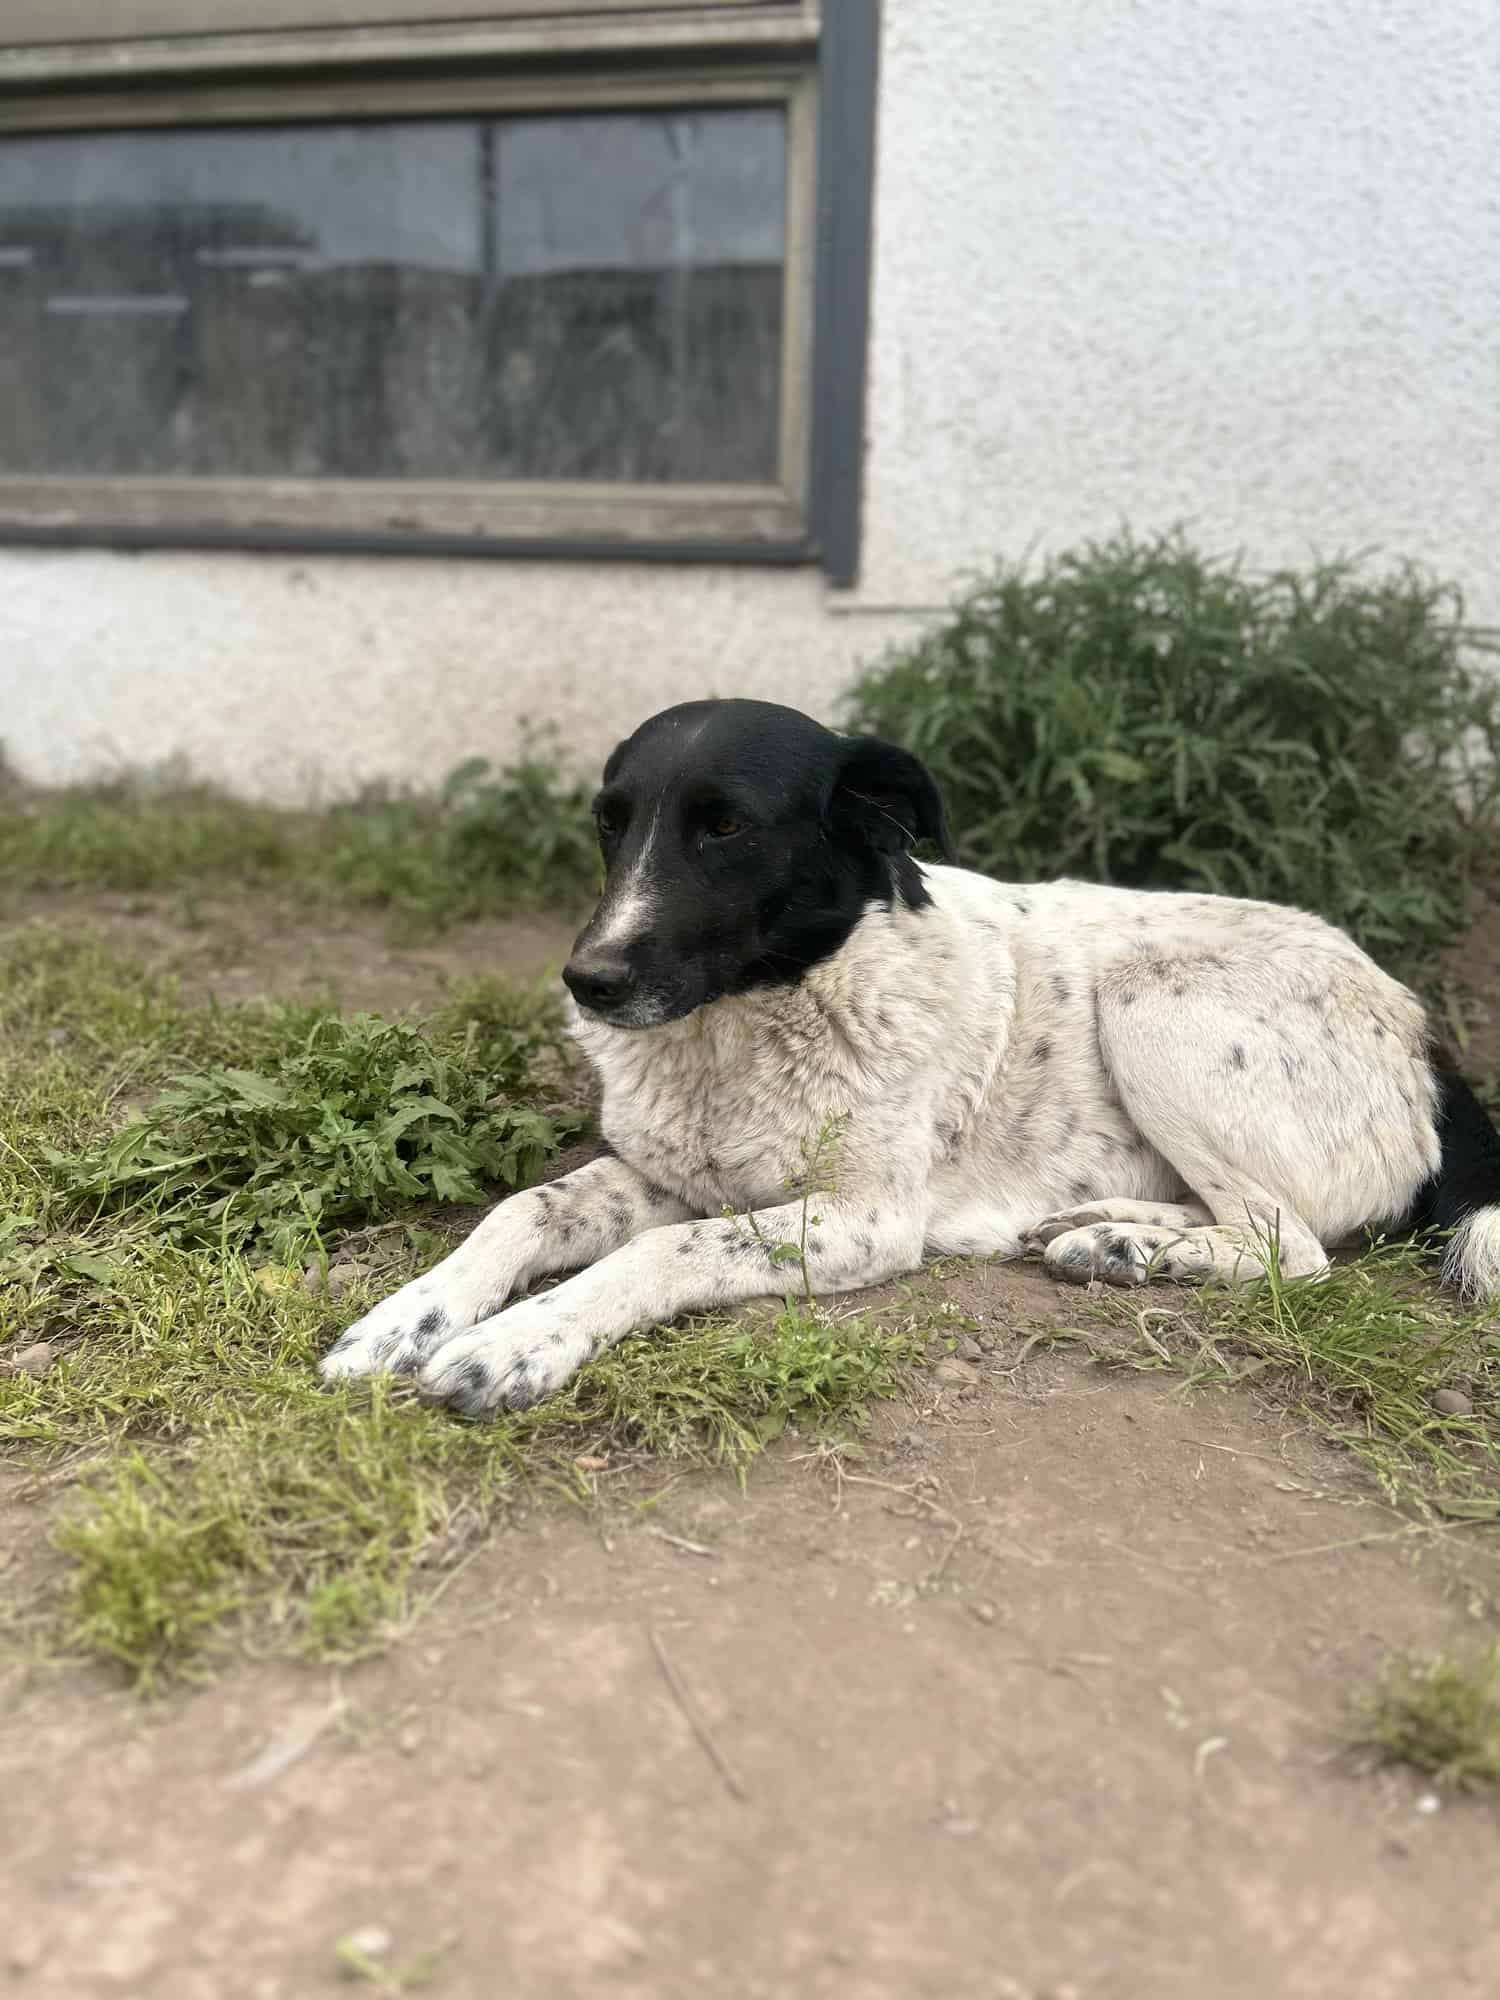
point(687, 1247)
point(1236, 1055)
point(433, 1321)
point(872, 1216)
point(605, 1151)
point(1020, 905)
point(865, 1243)
point(1120, 1247)
point(1128, 996)
point(473, 1381)
point(1061, 991)
point(520, 1389)
point(618, 1212)
point(1081, 1191)
point(1041, 1049)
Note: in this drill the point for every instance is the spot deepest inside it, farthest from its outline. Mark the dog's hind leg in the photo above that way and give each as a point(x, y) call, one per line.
point(1267, 1118)
point(1170, 1215)
point(1133, 1253)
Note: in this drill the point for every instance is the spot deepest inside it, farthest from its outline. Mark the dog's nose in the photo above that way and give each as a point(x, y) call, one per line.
point(598, 981)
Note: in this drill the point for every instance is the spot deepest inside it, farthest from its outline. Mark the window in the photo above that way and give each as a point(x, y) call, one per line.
point(560, 294)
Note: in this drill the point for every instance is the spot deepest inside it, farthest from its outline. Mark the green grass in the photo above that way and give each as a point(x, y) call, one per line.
point(488, 843)
point(239, 1499)
point(1363, 1354)
point(230, 1498)
point(1437, 1716)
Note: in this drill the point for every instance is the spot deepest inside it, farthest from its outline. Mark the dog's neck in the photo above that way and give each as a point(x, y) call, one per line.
point(864, 1014)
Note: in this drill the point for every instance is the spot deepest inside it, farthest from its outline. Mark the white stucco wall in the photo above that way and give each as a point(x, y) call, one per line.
point(1229, 262)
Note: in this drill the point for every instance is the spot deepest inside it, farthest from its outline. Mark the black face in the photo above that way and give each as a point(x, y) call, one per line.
point(742, 843)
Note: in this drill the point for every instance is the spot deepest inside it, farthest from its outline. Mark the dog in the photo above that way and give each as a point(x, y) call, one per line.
point(1133, 1084)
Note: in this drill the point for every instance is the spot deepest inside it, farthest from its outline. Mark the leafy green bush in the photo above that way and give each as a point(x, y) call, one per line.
point(1139, 713)
point(357, 1117)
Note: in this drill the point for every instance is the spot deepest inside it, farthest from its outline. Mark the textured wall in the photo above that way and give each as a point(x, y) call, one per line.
point(1232, 262)
point(1229, 262)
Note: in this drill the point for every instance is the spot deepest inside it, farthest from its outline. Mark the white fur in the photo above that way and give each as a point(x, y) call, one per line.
point(1140, 1083)
point(1472, 1263)
point(629, 910)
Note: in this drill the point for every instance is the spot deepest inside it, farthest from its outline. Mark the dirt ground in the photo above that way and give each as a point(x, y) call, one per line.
point(1043, 1696)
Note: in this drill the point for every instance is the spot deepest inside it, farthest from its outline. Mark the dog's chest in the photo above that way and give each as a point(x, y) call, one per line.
point(722, 1121)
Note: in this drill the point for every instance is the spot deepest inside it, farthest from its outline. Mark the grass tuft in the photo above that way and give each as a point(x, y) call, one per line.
point(1436, 1716)
point(315, 1521)
point(491, 841)
point(1363, 1352)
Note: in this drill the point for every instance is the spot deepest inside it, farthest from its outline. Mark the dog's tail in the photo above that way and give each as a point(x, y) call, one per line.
point(1462, 1199)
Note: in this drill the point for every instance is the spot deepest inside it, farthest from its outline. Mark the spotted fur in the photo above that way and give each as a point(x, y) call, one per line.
point(1132, 1084)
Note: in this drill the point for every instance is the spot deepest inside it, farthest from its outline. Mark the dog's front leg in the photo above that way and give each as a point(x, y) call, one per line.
point(522, 1355)
point(557, 1227)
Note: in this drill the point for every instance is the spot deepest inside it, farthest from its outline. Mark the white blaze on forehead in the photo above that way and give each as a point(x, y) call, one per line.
point(629, 910)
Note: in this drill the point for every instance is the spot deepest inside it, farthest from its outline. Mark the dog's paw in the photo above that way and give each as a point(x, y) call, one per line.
point(1168, 1216)
point(393, 1338)
point(508, 1363)
point(1115, 1253)
point(1040, 1234)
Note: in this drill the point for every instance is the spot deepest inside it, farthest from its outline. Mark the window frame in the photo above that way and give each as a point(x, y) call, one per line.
point(825, 76)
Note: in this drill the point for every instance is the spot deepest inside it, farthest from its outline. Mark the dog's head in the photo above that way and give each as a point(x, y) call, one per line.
point(742, 843)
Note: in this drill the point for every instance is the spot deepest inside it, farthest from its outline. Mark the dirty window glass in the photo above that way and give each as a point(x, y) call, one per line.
point(580, 297)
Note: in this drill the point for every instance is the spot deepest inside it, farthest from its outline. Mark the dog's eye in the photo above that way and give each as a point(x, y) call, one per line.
point(723, 827)
point(609, 822)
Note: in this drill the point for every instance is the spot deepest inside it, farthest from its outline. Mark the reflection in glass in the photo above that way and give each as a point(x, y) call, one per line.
point(584, 297)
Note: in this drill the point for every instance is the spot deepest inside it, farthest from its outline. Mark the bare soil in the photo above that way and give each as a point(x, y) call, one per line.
point(242, 947)
point(1042, 1696)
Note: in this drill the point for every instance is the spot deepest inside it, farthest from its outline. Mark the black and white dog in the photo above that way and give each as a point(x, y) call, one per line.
point(1134, 1083)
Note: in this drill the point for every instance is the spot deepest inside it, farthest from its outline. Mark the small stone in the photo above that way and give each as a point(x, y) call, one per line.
point(984, 1611)
point(370, 1941)
point(1452, 1403)
point(1429, 1802)
point(313, 1279)
point(35, 1359)
point(409, 1742)
point(956, 1374)
point(969, 1349)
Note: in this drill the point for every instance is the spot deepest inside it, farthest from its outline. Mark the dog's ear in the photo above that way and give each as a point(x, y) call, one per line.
point(891, 797)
